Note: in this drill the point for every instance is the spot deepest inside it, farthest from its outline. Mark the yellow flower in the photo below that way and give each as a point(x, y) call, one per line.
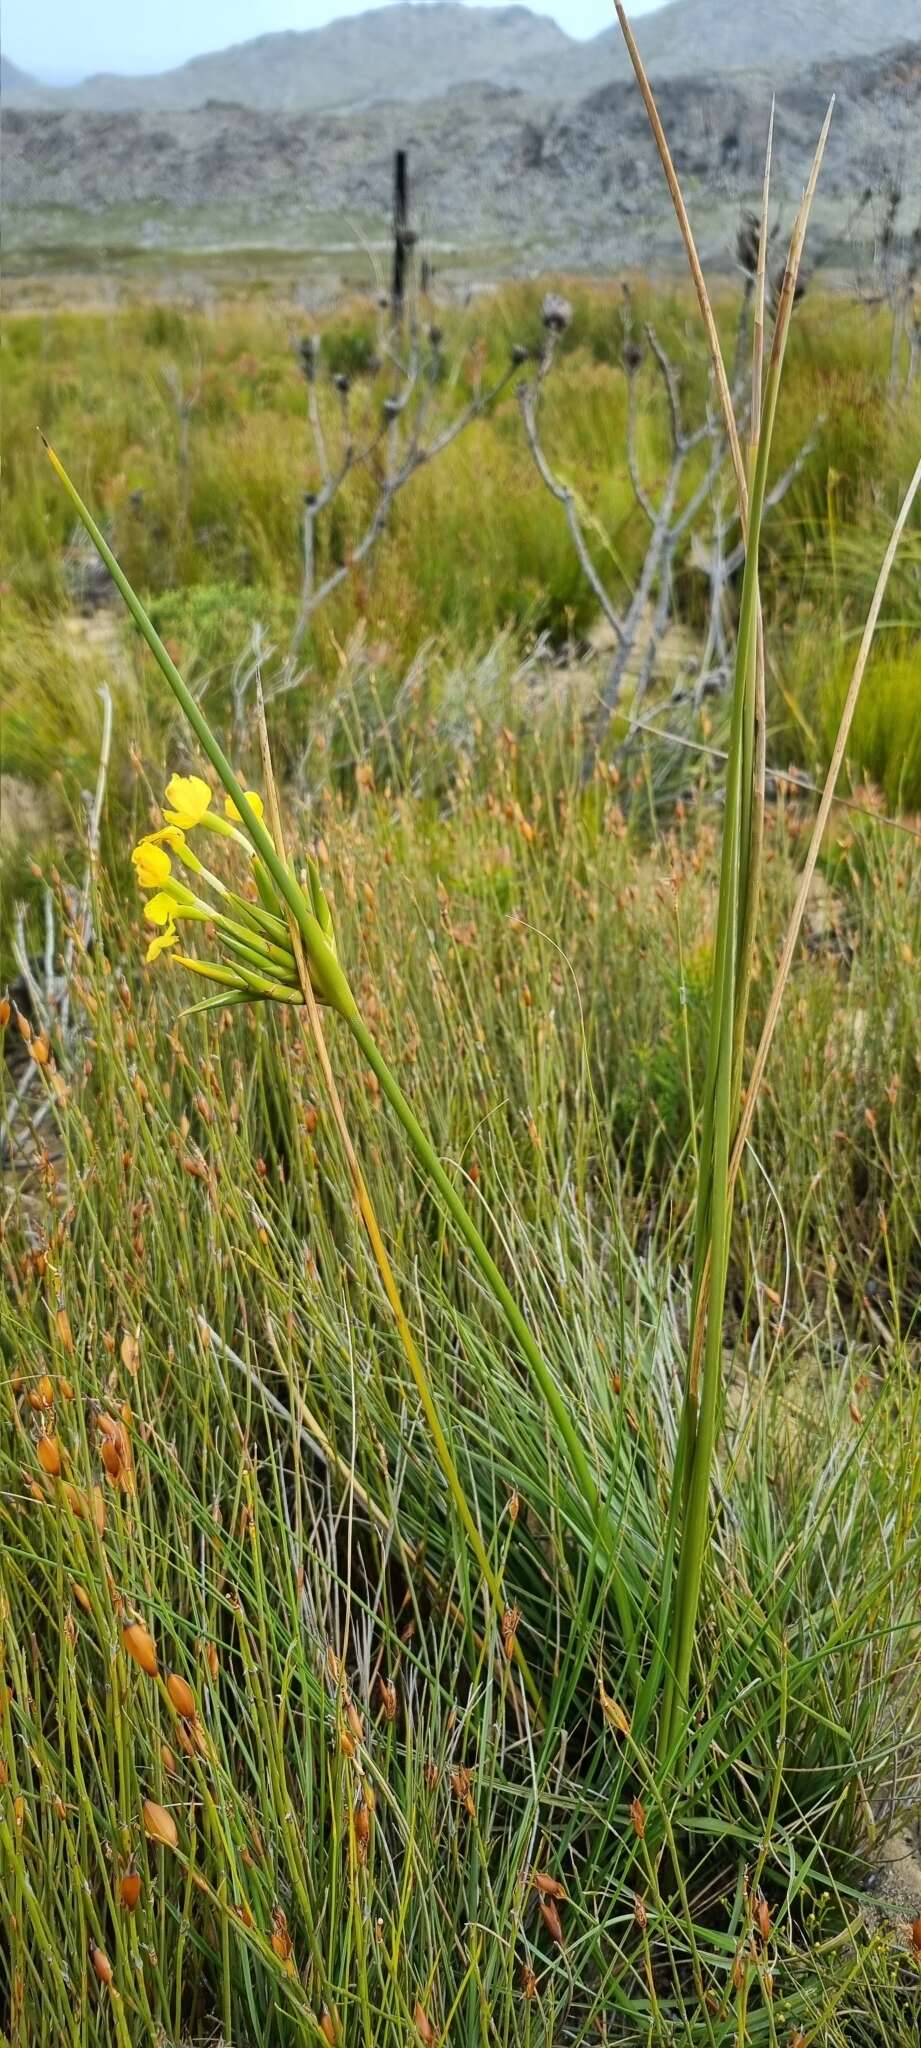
point(167, 937)
point(151, 863)
point(160, 909)
point(253, 799)
point(168, 835)
point(190, 797)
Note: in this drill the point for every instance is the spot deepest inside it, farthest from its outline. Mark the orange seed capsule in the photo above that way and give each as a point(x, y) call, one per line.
point(48, 1453)
point(423, 2025)
point(101, 1964)
point(82, 1598)
point(168, 1760)
point(551, 1920)
point(129, 1890)
point(140, 1645)
point(159, 1824)
point(182, 1696)
point(328, 2028)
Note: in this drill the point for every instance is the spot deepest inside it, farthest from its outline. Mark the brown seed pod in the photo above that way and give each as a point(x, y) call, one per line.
point(638, 1817)
point(140, 1645)
point(551, 1920)
point(42, 1394)
point(362, 1832)
point(159, 1824)
point(168, 1760)
point(763, 1917)
point(48, 1453)
point(181, 1696)
point(387, 1694)
point(328, 2028)
point(354, 1720)
point(423, 2025)
point(101, 1964)
point(280, 1939)
point(82, 1598)
point(460, 1786)
point(111, 1460)
point(528, 1981)
point(129, 1891)
point(916, 1934)
point(549, 1886)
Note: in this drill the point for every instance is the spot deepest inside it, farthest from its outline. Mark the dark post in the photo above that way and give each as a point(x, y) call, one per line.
point(401, 236)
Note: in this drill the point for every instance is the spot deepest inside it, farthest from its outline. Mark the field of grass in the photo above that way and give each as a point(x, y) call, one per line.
point(269, 1769)
point(204, 508)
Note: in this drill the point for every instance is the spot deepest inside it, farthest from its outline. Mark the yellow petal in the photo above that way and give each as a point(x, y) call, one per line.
point(160, 940)
point(168, 835)
point(253, 799)
point(189, 797)
point(160, 909)
point(151, 864)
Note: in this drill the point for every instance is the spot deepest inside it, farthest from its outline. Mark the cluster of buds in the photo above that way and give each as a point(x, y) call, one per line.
point(258, 961)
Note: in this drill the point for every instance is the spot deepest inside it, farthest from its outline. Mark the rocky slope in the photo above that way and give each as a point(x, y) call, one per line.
point(486, 166)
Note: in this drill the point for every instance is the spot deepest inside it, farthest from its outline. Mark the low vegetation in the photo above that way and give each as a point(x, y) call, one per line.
point(392, 1648)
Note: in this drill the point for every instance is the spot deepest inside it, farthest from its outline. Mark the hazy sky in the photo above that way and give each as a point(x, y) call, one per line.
point(60, 41)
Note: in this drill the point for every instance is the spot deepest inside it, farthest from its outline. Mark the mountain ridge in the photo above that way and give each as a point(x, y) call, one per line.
point(412, 53)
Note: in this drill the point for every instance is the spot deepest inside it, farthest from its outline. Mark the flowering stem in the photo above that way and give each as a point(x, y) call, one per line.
point(325, 968)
